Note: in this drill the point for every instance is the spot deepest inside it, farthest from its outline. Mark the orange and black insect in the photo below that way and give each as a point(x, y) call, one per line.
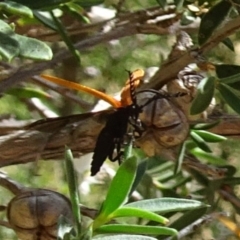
point(126, 113)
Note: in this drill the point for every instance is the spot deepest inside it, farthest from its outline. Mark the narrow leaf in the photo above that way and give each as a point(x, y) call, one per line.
point(138, 212)
point(180, 157)
point(210, 137)
point(118, 190)
point(164, 205)
point(210, 158)
point(200, 141)
point(122, 237)
point(73, 189)
point(136, 229)
point(228, 43)
point(231, 96)
point(226, 70)
point(45, 18)
point(231, 79)
point(141, 169)
point(204, 95)
point(188, 218)
point(212, 19)
point(205, 126)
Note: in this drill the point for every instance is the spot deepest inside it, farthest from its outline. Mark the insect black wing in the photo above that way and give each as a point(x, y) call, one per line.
point(110, 138)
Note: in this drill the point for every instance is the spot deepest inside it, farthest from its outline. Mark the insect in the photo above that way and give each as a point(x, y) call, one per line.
point(111, 136)
point(126, 114)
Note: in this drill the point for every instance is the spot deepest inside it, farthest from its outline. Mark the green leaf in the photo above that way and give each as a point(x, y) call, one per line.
point(207, 156)
point(27, 93)
point(205, 126)
point(65, 37)
point(204, 95)
point(122, 237)
point(200, 141)
point(16, 9)
point(165, 205)
point(228, 43)
point(180, 157)
point(9, 47)
point(15, 45)
point(210, 137)
point(33, 48)
point(230, 79)
point(73, 189)
point(118, 191)
point(76, 11)
point(226, 70)
point(138, 212)
point(231, 96)
point(212, 19)
point(141, 169)
point(46, 19)
point(136, 229)
point(188, 218)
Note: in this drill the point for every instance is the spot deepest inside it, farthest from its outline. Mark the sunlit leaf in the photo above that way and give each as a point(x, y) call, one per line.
point(15, 8)
point(200, 141)
point(210, 137)
point(205, 126)
point(127, 211)
point(180, 157)
point(118, 190)
point(164, 205)
point(210, 158)
point(122, 237)
point(136, 229)
point(25, 47)
point(204, 95)
point(33, 48)
point(231, 96)
point(212, 19)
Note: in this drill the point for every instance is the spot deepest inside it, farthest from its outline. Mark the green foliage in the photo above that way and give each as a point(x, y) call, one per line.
point(114, 207)
point(212, 19)
point(204, 96)
point(13, 45)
